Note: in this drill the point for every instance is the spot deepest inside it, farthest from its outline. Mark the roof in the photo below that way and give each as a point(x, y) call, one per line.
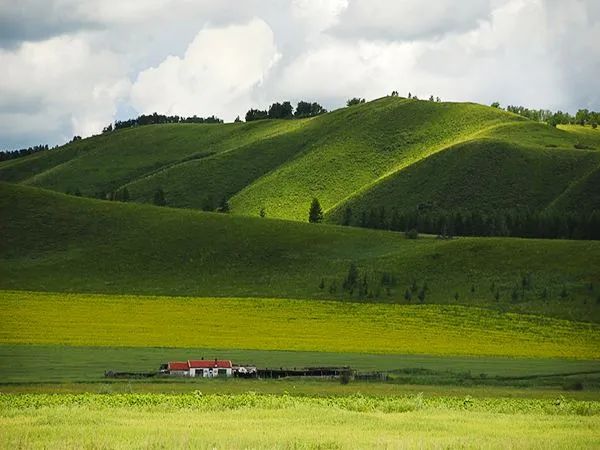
point(210, 364)
point(176, 365)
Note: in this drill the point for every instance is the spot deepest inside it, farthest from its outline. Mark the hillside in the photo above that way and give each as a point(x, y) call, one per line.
point(55, 242)
point(390, 152)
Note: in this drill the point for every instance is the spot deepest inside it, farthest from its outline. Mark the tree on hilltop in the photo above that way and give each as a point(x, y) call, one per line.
point(355, 101)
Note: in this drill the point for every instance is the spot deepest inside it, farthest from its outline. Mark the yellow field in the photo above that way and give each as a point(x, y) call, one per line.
point(275, 324)
point(253, 421)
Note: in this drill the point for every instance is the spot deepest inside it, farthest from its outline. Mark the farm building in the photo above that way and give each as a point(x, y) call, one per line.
point(200, 368)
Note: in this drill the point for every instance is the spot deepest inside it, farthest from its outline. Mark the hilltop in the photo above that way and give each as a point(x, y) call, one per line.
point(392, 152)
point(61, 243)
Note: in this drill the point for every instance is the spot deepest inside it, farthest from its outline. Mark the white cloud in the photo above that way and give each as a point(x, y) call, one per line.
point(60, 84)
point(525, 52)
point(69, 64)
point(216, 75)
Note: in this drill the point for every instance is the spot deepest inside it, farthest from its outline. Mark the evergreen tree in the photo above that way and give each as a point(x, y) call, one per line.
point(224, 206)
point(159, 198)
point(347, 220)
point(315, 214)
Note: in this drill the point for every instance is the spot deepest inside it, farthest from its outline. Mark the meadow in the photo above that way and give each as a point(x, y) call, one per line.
point(278, 324)
point(55, 242)
point(395, 152)
point(284, 421)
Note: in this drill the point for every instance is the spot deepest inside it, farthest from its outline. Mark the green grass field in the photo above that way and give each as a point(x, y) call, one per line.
point(391, 151)
point(209, 421)
point(54, 242)
point(487, 342)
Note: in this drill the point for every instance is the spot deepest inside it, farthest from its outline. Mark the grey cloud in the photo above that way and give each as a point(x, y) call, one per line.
point(408, 20)
point(36, 20)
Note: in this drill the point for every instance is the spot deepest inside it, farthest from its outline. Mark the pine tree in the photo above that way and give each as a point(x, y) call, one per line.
point(315, 214)
point(347, 220)
point(159, 198)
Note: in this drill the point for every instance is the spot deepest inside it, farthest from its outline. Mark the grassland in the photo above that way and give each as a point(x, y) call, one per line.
point(278, 324)
point(208, 421)
point(54, 242)
point(391, 151)
point(76, 369)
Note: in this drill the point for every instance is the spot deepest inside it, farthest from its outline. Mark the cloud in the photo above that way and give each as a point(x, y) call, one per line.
point(71, 66)
point(523, 52)
point(216, 75)
point(410, 19)
point(59, 87)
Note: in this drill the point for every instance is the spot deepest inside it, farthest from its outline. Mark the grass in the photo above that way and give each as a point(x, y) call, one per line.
point(59, 368)
point(363, 156)
point(54, 242)
point(278, 324)
point(143, 421)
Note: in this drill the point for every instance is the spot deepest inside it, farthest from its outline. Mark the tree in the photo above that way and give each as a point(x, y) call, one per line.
point(347, 220)
point(355, 101)
point(208, 204)
point(237, 120)
point(262, 212)
point(159, 198)
point(224, 206)
point(352, 277)
point(306, 109)
point(281, 111)
point(255, 114)
point(431, 99)
point(582, 117)
point(315, 214)
point(394, 93)
point(125, 195)
point(495, 105)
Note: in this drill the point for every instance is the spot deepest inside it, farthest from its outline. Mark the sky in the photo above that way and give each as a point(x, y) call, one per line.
point(71, 67)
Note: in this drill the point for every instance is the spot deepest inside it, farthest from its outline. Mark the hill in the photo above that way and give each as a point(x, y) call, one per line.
point(391, 152)
point(55, 242)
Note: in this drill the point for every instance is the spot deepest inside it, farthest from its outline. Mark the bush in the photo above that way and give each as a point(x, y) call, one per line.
point(412, 234)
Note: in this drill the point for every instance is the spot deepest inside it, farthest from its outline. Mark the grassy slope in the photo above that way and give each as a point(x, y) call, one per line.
point(106, 162)
point(55, 242)
point(369, 154)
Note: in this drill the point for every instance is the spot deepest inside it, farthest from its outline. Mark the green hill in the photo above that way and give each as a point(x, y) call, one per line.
point(55, 242)
point(391, 152)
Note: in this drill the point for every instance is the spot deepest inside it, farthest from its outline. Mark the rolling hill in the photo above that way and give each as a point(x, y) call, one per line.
point(61, 243)
point(390, 152)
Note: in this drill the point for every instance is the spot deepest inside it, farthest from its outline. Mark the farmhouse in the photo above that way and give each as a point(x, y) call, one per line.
point(200, 368)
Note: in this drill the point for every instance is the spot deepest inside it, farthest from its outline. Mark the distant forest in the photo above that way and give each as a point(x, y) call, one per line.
point(512, 222)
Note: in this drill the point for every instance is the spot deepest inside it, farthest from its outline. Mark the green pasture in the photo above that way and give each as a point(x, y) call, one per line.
point(55, 242)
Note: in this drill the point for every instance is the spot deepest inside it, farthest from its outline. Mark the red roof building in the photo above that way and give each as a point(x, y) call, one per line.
point(210, 364)
point(201, 368)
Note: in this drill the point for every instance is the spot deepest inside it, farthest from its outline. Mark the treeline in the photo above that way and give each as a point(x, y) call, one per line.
point(155, 119)
point(285, 110)
point(12, 154)
point(581, 117)
point(514, 223)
